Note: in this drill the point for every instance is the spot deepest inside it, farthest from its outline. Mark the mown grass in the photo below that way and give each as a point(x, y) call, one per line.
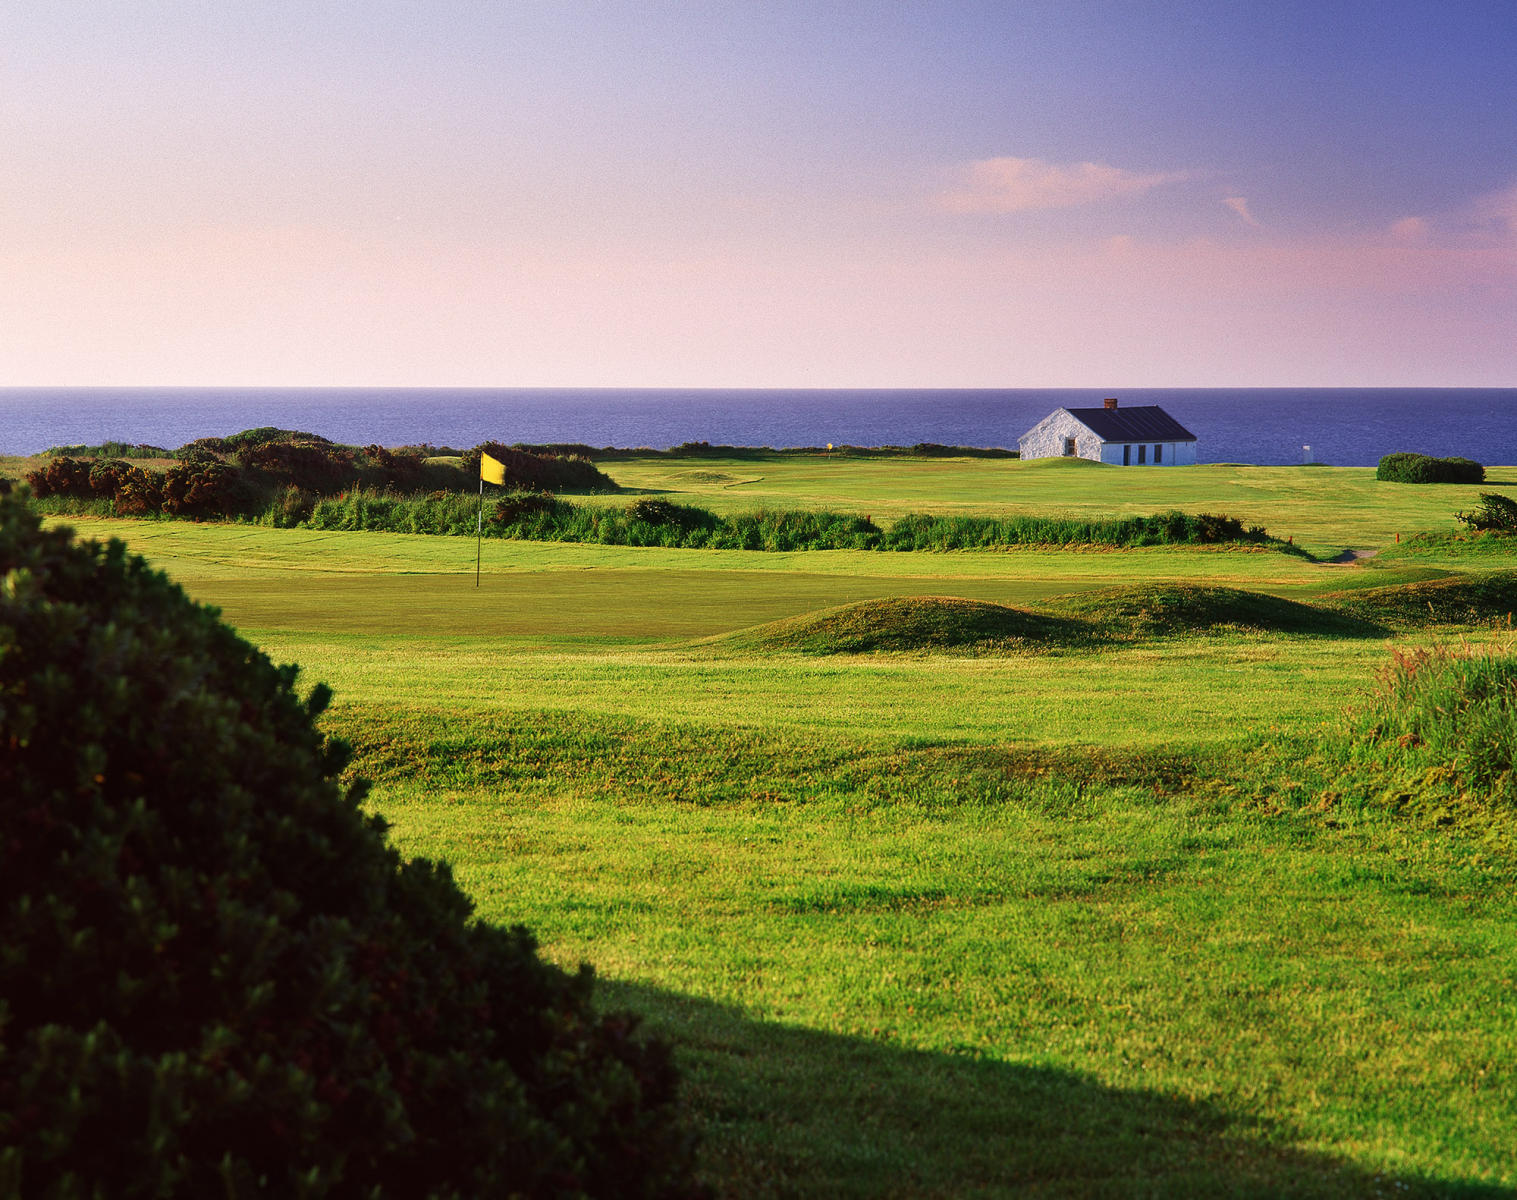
point(1288, 992)
point(1115, 918)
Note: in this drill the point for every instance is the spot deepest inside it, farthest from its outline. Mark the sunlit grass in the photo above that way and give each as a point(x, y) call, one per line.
point(1062, 922)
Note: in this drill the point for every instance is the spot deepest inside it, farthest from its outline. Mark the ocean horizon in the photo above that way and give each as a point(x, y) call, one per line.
point(1261, 426)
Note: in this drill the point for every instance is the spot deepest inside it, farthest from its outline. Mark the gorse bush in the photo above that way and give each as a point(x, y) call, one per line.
point(217, 979)
point(1420, 468)
point(526, 471)
point(275, 476)
point(1495, 513)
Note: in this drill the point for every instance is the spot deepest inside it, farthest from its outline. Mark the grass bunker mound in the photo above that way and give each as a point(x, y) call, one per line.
point(1455, 600)
point(218, 978)
point(907, 623)
point(1172, 609)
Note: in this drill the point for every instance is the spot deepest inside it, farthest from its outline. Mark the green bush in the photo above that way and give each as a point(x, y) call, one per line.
point(217, 979)
point(1495, 512)
point(1420, 468)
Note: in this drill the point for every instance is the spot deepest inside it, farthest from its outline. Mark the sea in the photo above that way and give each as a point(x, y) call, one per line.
point(1260, 426)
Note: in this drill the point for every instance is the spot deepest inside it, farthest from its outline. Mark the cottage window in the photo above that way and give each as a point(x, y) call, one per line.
point(1158, 454)
point(1127, 456)
point(1069, 447)
point(1142, 455)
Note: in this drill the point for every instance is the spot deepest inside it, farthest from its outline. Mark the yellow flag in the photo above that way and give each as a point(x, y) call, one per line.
point(492, 470)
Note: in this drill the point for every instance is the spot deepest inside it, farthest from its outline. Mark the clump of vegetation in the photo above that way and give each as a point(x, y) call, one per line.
point(1495, 513)
point(218, 979)
point(110, 449)
point(540, 472)
point(282, 477)
point(652, 522)
point(911, 623)
point(923, 532)
point(1440, 734)
point(1420, 468)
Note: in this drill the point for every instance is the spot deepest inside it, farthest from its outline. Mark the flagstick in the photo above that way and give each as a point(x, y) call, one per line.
point(479, 529)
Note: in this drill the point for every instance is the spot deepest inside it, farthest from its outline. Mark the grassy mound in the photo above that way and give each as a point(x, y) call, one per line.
point(1164, 609)
point(1455, 600)
point(910, 623)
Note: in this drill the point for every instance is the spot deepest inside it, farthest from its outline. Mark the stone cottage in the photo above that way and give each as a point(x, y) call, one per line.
point(1125, 437)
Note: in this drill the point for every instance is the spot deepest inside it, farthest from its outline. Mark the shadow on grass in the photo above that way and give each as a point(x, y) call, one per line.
point(784, 1111)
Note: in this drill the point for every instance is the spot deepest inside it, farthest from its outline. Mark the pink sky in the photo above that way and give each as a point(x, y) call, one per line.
point(263, 196)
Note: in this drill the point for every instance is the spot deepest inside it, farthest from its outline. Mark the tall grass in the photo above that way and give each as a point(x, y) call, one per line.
point(1444, 719)
point(660, 523)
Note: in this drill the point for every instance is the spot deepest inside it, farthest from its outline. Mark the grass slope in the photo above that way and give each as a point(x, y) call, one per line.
point(913, 623)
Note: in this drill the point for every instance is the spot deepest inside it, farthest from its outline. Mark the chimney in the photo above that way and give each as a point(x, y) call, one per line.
point(1111, 402)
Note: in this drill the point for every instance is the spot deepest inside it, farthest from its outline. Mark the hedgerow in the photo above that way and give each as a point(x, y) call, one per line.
point(217, 978)
point(1420, 468)
point(661, 523)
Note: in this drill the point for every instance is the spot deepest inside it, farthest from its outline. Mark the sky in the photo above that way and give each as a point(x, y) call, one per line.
point(786, 193)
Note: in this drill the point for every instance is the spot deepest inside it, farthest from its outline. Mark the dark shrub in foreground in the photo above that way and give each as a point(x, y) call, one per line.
point(1420, 468)
point(216, 979)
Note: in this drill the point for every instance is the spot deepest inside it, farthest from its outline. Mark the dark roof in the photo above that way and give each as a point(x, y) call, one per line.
point(1142, 423)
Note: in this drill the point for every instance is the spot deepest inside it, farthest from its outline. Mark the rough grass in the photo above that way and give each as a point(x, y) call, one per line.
point(1441, 731)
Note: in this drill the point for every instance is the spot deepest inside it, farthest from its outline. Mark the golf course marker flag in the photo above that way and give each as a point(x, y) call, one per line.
point(491, 470)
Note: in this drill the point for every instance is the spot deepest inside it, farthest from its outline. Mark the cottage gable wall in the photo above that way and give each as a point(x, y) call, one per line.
point(1047, 439)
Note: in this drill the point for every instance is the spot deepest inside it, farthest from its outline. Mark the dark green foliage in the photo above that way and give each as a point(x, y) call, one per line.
point(540, 472)
point(652, 522)
point(217, 979)
point(663, 512)
point(203, 489)
point(312, 466)
point(1420, 468)
point(519, 505)
point(1495, 512)
point(222, 446)
point(451, 513)
point(920, 532)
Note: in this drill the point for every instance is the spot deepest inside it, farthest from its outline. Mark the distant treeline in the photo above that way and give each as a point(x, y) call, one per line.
point(707, 450)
